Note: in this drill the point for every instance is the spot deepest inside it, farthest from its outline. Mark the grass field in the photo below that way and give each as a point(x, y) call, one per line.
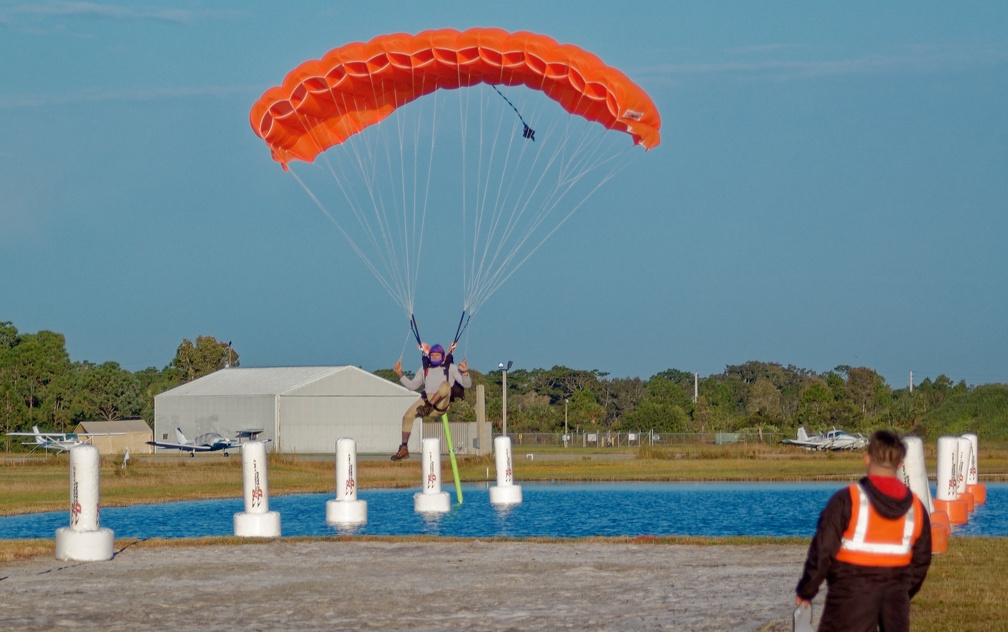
point(964, 590)
point(31, 484)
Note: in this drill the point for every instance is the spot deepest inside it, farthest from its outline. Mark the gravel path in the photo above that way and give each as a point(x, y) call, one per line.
point(438, 585)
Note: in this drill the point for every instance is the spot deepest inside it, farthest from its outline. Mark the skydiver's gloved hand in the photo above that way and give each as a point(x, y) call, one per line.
point(398, 367)
point(452, 346)
point(424, 348)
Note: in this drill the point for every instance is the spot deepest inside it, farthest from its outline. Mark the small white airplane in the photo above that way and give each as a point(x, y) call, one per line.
point(832, 440)
point(207, 442)
point(59, 441)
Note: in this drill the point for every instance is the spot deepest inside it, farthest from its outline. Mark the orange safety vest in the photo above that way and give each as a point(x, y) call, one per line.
point(874, 540)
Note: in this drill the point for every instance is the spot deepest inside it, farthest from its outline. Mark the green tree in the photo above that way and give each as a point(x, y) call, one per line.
point(37, 361)
point(664, 407)
point(108, 392)
point(816, 399)
point(764, 400)
point(867, 389)
point(203, 358)
point(153, 382)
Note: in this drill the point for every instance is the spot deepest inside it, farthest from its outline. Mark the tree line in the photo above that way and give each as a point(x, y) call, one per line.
point(41, 385)
point(756, 397)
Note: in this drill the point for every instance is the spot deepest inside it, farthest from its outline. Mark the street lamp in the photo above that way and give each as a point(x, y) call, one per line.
point(565, 423)
point(504, 370)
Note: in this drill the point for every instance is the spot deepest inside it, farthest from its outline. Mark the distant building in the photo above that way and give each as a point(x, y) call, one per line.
point(298, 409)
point(135, 435)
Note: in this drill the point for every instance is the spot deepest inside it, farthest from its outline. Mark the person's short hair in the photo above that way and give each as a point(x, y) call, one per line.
point(886, 448)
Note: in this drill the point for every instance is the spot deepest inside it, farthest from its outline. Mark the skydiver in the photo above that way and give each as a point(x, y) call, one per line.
point(438, 374)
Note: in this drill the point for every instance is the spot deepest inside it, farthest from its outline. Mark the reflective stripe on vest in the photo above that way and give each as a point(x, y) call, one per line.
point(873, 540)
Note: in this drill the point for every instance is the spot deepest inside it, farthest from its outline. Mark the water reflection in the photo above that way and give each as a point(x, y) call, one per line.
point(548, 510)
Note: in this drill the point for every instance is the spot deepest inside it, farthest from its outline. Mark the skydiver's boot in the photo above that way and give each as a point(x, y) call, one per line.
point(402, 453)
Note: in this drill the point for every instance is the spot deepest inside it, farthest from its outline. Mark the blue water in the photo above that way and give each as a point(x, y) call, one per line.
point(568, 510)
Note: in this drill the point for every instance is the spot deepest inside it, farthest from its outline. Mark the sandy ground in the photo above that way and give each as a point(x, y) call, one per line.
point(439, 585)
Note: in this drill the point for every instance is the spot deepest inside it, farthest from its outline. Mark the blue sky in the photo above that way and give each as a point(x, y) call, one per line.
point(830, 189)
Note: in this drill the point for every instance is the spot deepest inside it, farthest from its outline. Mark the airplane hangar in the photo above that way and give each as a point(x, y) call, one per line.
point(299, 409)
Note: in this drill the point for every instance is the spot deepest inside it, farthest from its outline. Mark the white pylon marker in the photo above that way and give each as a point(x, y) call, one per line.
point(84, 540)
point(257, 521)
point(346, 509)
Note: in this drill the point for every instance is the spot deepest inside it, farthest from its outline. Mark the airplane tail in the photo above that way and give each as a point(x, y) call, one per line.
point(39, 439)
point(802, 435)
point(180, 437)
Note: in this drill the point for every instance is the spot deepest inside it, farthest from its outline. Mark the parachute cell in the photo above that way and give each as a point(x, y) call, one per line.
point(323, 102)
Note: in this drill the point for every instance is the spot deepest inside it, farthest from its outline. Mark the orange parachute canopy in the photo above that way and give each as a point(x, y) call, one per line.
point(323, 102)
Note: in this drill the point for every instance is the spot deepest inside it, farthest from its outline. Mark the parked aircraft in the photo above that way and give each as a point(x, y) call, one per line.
point(59, 441)
point(832, 440)
point(207, 442)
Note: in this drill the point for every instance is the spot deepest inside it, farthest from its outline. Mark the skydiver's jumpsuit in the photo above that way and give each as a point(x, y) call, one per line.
point(437, 380)
point(865, 596)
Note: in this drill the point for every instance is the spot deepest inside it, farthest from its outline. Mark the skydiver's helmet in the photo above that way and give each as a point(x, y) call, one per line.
point(439, 350)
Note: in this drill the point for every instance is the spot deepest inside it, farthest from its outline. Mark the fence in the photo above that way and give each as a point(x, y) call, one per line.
point(634, 439)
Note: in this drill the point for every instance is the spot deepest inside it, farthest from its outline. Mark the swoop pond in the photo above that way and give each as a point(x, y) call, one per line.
point(561, 510)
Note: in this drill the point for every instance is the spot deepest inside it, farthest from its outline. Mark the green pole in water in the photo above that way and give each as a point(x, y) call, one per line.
point(451, 454)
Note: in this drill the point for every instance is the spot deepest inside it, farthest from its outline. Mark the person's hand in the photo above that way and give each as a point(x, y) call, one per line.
point(398, 367)
point(451, 347)
point(464, 365)
point(798, 601)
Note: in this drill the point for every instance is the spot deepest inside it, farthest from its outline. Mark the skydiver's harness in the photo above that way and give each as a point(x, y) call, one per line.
point(457, 390)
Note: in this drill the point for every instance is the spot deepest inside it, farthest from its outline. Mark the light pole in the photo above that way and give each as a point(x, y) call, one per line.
point(504, 370)
point(565, 423)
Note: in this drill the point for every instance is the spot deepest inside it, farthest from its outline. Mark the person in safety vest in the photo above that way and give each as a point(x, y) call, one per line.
point(439, 375)
point(872, 546)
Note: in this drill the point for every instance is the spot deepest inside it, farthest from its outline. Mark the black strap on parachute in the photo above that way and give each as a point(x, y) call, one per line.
point(416, 331)
point(457, 390)
point(528, 132)
point(461, 328)
point(463, 324)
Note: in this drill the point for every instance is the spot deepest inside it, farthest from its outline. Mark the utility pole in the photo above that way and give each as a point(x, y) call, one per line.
point(696, 386)
point(911, 381)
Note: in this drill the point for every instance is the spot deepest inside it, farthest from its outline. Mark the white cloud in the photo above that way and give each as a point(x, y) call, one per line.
point(918, 59)
point(37, 14)
point(139, 94)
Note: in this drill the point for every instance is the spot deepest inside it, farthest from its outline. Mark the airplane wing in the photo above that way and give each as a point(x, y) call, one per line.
point(180, 446)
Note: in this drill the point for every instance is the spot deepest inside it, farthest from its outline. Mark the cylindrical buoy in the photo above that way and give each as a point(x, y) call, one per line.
point(257, 521)
point(940, 533)
point(913, 471)
point(505, 492)
point(962, 464)
point(946, 497)
point(346, 509)
point(431, 499)
point(84, 540)
point(973, 484)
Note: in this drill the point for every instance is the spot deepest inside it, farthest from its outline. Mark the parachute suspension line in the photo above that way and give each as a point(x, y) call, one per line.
point(528, 132)
point(430, 169)
point(497, 214)
point(497, 260)
point(573, 160)
point(376, 232)
point(501, 276)
point(360, 148)
point(463, 106)
point(367, 261)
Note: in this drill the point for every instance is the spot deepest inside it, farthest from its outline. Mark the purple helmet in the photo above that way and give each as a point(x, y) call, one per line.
point(436, 349)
